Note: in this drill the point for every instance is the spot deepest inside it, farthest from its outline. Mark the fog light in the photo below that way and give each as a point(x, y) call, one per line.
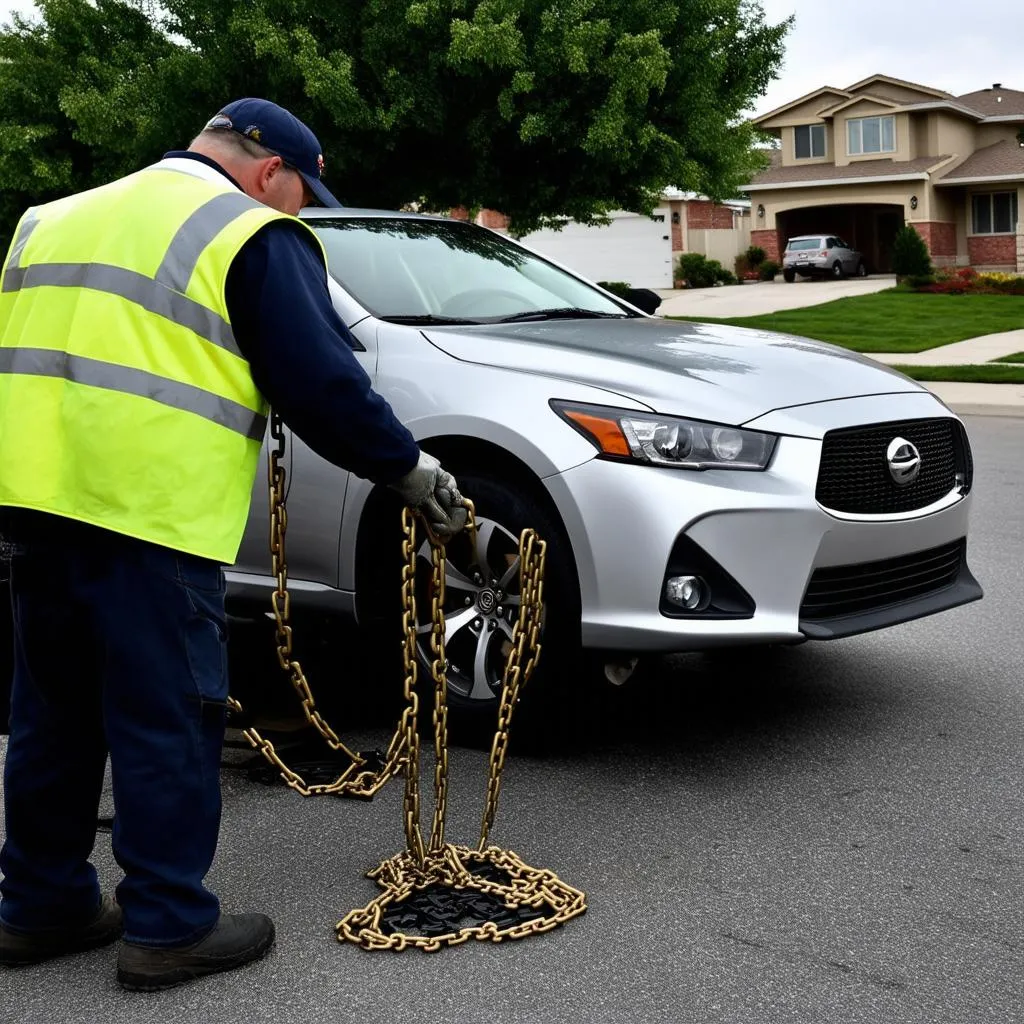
point(689, 592)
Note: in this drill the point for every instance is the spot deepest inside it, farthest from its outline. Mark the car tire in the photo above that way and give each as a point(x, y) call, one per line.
point(862, 271)
point(504, 507)
point(789, 276)
point(837, 271)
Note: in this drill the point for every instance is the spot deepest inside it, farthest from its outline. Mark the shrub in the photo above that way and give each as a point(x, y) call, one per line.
point(768, 269)
point(721, 274)
point(620, 288)
point(694, 269)
point(910, 254)
point(755, 256)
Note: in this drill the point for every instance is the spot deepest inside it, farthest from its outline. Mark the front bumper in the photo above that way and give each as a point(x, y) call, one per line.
point(765, 530)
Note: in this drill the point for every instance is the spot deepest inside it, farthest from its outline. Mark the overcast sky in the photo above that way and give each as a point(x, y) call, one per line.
point(956, 45)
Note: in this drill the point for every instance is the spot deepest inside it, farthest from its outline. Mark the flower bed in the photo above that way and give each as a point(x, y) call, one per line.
point(966, 281)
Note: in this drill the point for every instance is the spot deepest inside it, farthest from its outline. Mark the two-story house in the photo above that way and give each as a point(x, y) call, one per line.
point(863, 161)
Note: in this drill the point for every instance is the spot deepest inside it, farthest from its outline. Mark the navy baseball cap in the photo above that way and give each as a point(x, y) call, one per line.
point(283, 134)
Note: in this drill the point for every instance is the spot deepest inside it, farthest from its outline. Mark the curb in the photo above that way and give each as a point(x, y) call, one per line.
point(969, 409)
point(979, 399)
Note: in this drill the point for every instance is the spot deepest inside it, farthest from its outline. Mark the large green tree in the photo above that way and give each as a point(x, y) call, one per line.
point(535, 107)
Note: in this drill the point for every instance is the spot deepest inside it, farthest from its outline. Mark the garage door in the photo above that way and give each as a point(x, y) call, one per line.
point(633, 248)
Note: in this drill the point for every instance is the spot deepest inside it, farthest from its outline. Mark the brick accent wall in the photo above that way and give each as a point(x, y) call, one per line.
point(939, 236)
point(769, 241)
point(458, 213)
point(702, 215)
point(492, 219)
point(992, 250)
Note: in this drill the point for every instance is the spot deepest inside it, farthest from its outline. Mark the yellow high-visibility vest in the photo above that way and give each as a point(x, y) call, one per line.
point(124, 399)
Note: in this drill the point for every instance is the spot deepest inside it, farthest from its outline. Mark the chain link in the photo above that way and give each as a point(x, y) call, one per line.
point(434, 862)
point(356, 780)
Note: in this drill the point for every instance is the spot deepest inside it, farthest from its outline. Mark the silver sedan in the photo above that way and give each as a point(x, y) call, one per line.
point(699, 485)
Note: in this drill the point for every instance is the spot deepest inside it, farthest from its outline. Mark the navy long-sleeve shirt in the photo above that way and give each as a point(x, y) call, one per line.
point(301, 353)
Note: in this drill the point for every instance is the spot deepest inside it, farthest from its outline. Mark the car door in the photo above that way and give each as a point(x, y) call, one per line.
point(849, 257)
point(315, 494)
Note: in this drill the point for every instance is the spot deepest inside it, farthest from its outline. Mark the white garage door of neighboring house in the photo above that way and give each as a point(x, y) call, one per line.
point(633, 248)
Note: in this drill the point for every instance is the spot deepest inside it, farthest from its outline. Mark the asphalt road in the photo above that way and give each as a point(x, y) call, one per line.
point(832, 834)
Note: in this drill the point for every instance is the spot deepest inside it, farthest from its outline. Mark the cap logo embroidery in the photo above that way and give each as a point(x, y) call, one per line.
point(254, 132)
point(320, 165)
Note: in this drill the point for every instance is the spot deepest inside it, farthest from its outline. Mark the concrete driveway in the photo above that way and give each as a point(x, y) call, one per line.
point(753, 299)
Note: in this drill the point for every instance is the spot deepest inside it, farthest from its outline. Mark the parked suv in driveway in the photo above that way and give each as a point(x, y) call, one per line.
point(821, 256)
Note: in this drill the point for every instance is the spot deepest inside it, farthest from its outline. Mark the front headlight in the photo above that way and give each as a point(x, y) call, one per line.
point(667, 441)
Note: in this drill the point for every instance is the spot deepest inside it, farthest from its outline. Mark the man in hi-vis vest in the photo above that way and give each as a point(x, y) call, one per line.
point(144, 327)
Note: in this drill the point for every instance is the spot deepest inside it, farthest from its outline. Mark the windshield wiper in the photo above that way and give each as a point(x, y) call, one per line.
point(561, 313)
point(415, 319)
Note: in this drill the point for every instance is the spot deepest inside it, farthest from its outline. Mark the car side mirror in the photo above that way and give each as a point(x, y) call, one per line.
point(644, 298)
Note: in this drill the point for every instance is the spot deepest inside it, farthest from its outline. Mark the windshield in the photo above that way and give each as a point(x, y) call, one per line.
point(444, 270)
point(804, 243)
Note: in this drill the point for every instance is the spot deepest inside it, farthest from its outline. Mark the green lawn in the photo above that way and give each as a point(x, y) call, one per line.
point(894, 321)
point(1017, 357)
point(977, 373)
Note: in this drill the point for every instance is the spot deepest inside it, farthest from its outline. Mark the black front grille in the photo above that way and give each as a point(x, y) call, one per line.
point(849, 589)
point(854, 473)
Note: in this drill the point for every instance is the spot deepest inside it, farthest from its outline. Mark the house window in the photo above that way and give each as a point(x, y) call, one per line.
point(810, 140)
point(871, 135)
point(994, 213)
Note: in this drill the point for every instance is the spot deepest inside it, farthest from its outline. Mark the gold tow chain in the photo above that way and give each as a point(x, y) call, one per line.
point(356, 779)
point(540, 897)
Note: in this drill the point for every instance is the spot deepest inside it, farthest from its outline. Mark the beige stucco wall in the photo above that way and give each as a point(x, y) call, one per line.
point(990, 134)
point(950, 135)
point(805, 113)
point(944, 203)
point(919, 136)
point(899, 93)
point(720, 243)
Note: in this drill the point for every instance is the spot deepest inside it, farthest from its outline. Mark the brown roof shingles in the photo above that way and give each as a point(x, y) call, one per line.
point(998, 160)
point(988, 102)
point(778, 175)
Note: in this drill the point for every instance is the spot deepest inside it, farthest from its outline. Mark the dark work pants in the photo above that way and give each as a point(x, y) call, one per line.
point(120, 649)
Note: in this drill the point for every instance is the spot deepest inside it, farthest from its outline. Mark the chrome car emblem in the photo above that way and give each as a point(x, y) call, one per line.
point(904, 461)
point(486, 601)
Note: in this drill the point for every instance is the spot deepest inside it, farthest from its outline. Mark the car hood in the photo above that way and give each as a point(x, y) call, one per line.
point(711, 371)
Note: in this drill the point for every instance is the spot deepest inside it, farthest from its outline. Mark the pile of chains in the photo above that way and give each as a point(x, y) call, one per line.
point(447, 893)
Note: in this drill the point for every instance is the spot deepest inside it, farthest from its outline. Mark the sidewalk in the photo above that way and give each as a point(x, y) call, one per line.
point(969, 399)
point(984, 349)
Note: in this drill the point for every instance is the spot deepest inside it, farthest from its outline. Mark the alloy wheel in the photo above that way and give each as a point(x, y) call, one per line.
point(481, 606)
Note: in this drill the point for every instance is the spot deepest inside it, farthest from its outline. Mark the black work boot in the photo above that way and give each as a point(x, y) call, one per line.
point(20, 948)
point(237, 939)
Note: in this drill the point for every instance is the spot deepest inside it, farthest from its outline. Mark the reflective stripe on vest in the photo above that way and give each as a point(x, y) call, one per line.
point(45, 362)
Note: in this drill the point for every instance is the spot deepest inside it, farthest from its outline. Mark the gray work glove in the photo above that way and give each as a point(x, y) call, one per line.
point(433, 492)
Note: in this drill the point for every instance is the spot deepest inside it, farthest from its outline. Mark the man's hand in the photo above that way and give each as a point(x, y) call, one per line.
point(433, 492)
